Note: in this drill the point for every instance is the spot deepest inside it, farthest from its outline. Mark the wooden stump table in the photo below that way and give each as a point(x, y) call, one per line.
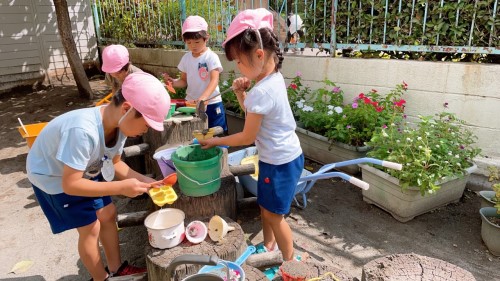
point(413, 267)
point(177, 130)
point(158, 260)
point(323, 271)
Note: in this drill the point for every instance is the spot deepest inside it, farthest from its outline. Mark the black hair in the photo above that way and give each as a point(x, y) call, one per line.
point(195, 35)
point(247, 41)
point(125, 67)
point(118, 100)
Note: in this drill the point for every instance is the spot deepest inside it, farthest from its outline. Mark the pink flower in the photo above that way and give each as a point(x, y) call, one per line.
point(384, 126)
point(299, 73)
point(336, 90)
point(405, 86)
point(354, 105)
point(445, 105)
point(348, 126)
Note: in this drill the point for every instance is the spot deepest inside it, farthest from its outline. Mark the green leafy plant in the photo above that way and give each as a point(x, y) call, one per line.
point(494, 177)
point(431, 151)
point(358, 120)
point(324, 112)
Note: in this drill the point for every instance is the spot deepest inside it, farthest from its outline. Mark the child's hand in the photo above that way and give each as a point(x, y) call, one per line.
point(208, 143)
point(167, 78)
point(241, 84)
point(134, 187)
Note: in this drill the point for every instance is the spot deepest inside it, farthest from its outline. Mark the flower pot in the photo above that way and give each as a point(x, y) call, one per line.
point(386, 193)
point(490, 232)
point(319, 149)
point(235, 122)
point(486, 198)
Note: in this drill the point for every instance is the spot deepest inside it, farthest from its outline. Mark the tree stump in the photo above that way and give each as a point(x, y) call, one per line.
point(158, 260)
point(325, 271)
point(222, 202)
point(413, 267)
point(177, 130)
point(253, 274)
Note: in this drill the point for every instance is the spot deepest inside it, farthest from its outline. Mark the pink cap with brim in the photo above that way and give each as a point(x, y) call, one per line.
point(148, 96)
point(114, 57)
point(194, 24)
point(254, 19)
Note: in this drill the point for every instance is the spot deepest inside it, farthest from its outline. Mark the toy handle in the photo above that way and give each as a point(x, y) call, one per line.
point(359, 183)
point(392, 165)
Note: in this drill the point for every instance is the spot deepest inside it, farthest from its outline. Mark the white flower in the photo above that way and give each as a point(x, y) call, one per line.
point(299, 104)
point(419, 138)
point(456, 156)
point(338, 109)
point(419, 147)
point(225, 83)
point(308, 108)
point(330, 107)
point(330, 112)
point(431, 191)
point(449, 153)
point(397, 141)
point(437, 145)
point(458, 164)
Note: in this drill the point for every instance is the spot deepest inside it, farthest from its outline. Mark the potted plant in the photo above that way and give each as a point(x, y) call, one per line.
point(437, 155)
point(331, 130)
point(490, 214)
point(489, 197)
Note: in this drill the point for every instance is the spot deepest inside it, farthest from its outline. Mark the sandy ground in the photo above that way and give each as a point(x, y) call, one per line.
point(337, 227)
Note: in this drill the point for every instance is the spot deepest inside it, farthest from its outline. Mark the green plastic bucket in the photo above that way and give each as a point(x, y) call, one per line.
point(198, 170)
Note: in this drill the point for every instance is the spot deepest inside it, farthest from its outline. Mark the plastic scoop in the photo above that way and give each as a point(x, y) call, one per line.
point(168, 180)
point(169, 87)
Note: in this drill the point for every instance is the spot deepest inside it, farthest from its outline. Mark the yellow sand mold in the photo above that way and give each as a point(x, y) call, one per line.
point(163, 195)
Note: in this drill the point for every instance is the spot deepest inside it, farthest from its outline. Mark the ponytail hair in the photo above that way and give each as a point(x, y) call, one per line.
point(251, 39)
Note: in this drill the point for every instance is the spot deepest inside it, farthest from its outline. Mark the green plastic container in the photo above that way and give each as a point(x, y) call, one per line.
point(171, 111)
point(198, 170)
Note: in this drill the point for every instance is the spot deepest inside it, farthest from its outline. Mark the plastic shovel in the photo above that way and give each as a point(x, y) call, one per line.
point(168, 180)
point(236, 265)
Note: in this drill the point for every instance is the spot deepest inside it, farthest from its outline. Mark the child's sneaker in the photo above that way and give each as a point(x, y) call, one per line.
point(127, 269)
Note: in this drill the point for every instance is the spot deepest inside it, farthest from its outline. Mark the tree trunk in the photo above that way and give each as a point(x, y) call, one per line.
point(64, 27)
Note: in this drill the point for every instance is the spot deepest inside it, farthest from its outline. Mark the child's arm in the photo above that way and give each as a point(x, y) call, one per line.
point(180, 82)
point(73, 183)
point(123, 171)
point(214, 81)
point(246, 137)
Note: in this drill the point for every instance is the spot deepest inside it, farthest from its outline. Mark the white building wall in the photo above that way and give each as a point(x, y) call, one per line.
point(30, 45)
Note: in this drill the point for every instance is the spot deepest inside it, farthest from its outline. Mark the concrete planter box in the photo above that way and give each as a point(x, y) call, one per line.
point(386, 193)
point(490, 232)
point(319, 149)
point(235, 122)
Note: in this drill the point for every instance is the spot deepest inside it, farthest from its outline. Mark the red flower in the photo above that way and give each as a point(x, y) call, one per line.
point(293, 86)
point(405, 86)
point(367, 100)
point(379, 108)
point(361, 96)
point(374, 91)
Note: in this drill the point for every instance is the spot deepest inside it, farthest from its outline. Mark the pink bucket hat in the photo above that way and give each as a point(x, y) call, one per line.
point(194, 24)
point(253, 19)
point(114, 57)
point(148, 96)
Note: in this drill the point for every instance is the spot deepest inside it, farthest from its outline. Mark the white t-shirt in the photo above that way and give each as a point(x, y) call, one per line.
point(75, 139)
point(198, 73)
point(276, 141)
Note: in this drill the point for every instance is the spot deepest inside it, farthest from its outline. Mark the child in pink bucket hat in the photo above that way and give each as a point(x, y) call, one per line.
point(116, 65)
point(269, 122)
point(200, 69)
point(75, 166)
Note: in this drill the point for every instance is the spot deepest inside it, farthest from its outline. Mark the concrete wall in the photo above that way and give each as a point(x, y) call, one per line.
point(472, 91)
point(30, 46)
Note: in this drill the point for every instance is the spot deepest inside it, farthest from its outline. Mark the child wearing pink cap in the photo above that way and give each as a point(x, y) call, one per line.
point(269, 122)
point(200, 69)
point(116, 64)
point(75, 165)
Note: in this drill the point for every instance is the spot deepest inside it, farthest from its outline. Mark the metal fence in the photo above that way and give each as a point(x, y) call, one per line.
point(460, 26)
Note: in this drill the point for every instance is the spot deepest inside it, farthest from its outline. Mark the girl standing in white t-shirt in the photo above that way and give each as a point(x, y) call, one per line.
point(269, 122)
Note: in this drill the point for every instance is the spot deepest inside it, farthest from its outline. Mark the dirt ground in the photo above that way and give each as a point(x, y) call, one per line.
point(336, 228)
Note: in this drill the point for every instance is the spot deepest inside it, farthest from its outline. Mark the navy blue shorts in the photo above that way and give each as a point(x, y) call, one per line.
point(216, 115)
point(277, 183)
point(66, 212)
